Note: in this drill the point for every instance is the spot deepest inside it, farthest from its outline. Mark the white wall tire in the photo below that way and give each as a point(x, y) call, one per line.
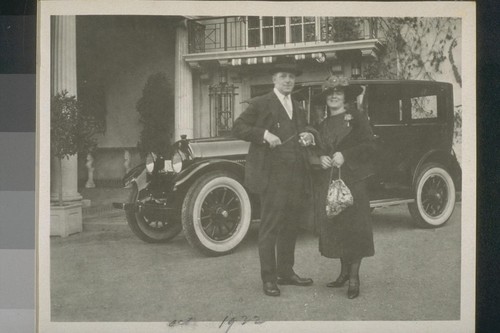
point(216, 213)
point(434, 194)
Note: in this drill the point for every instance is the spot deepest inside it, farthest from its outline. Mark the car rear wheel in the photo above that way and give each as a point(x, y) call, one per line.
point(216, 213)
point(434, 193)
point(148, 221)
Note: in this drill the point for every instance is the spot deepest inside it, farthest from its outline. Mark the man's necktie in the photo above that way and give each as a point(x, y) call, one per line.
point(288, 106)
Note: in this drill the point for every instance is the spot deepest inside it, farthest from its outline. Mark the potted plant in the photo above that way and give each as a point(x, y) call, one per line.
point(71, 132)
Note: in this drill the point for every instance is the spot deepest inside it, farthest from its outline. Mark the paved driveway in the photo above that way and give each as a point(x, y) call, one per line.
point(113, 276)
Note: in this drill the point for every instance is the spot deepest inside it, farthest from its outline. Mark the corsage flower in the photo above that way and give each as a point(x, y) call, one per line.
point(348, 118)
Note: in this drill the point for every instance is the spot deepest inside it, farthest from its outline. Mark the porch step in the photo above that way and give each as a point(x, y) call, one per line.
point(100, 215)
point(105, 210)
point(116, 222)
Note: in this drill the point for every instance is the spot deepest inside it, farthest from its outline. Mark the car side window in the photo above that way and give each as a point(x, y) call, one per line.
point(423, 102)
point(423, 107)
point(385, 105)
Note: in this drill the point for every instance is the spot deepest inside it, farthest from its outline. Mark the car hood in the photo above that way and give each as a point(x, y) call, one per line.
point(217, 147)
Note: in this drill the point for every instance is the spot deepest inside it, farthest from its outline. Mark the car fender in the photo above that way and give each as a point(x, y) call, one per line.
point(456, 170)
point(435, 155)
point(137, 175)
point(195, 170)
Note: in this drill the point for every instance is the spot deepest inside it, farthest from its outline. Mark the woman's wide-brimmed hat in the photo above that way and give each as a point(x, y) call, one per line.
point(334, 83)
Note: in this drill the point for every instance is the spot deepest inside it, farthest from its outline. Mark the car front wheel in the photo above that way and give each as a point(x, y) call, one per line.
point(148, 221)
point(216, 213)
point(434, 193)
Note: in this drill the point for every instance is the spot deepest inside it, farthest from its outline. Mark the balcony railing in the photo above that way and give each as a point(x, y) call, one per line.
point(254, 32)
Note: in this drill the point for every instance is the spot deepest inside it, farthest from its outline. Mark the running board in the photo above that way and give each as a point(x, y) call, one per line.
point(389, 202)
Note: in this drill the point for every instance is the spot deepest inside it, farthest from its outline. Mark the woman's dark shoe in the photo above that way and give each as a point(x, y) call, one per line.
point(341, 280)
point(353, 290)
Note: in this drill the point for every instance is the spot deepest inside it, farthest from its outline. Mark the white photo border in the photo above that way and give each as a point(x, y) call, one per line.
point(464, 10)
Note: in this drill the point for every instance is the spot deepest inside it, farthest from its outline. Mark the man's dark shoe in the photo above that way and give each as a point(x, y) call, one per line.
point(271, 289)
point(295, 280)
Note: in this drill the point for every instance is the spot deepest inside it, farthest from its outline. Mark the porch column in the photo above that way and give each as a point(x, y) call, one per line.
point(183, 86)
point(63, 77)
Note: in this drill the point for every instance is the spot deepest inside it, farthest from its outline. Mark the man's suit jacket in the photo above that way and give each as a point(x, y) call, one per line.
point(262, 115)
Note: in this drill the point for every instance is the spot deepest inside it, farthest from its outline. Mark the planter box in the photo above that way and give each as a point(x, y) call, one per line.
point(66, 220)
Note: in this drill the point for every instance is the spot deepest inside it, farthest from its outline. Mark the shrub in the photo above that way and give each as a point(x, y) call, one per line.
point(71, 131)
point(154, 108)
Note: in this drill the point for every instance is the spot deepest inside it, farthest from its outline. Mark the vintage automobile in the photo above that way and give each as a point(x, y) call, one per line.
point(199, 188)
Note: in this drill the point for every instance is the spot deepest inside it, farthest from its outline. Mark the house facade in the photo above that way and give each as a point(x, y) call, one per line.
point(229, 58)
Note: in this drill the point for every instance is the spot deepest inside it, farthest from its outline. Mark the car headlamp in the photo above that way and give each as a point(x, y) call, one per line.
point(177, 159)
point(154, 163)
point(150, 162)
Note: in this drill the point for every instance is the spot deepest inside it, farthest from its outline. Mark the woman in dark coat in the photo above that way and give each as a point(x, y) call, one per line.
point(345, 143)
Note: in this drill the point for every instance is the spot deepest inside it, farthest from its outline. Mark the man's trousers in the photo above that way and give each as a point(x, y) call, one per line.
point(282, 206)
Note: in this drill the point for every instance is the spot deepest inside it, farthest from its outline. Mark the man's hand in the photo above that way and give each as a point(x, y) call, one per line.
point(272, 139)
point(338, 159)
point(306, 139)
point(326, 162)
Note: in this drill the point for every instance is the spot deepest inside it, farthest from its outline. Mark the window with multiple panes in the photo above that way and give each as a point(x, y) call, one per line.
point(272, 30)
point(253, 31)
point(302, 29)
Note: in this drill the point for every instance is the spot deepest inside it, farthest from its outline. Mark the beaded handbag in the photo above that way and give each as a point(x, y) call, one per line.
point(339, 197)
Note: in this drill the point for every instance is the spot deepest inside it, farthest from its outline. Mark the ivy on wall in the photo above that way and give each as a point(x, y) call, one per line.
point(416, 48)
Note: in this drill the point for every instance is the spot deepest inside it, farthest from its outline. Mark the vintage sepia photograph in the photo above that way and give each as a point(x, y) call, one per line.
point(256, 166)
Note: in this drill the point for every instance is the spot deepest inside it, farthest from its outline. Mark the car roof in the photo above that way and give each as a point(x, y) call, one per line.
point(379, 81)
point(302, 85)
point(392, 81)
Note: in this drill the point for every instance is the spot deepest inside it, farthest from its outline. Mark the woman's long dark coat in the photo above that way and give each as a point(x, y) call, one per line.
point(348, 235)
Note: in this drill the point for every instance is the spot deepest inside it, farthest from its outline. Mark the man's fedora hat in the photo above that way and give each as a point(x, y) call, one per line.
point(286, 67)
point(335, 83)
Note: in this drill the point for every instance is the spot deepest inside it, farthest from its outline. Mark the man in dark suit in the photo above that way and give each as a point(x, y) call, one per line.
point(277, 170)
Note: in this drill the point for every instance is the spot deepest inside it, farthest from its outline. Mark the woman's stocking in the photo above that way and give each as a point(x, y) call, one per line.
point(353, 290)
point(343, 276)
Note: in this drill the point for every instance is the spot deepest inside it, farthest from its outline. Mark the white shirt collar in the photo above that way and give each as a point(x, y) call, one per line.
point(280, 95)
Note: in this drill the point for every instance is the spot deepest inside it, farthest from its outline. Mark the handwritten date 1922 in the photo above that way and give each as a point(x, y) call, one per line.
point(229, 321)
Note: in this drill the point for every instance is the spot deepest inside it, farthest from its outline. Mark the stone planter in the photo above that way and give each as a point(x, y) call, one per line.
point(66, 220)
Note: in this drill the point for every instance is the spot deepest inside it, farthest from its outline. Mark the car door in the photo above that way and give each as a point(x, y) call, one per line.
point(428, 129)
point(385, 107)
